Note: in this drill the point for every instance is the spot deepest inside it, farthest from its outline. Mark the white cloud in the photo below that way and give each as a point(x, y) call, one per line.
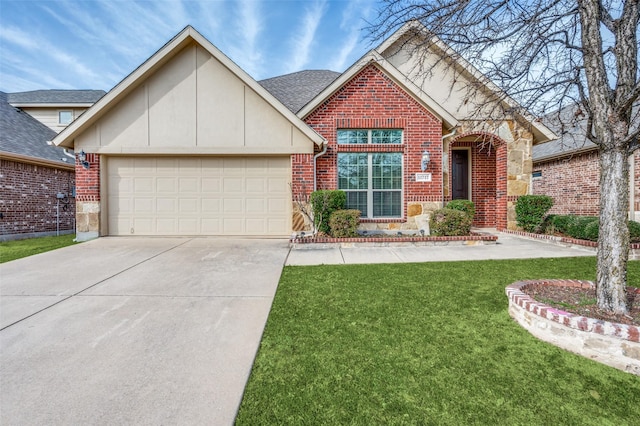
point(249, 27)
point(302, 44)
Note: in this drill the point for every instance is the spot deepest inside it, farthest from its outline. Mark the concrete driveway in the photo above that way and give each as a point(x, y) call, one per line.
point(134, 330)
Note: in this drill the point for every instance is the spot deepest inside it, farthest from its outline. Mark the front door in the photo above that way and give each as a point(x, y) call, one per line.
point(460, 174)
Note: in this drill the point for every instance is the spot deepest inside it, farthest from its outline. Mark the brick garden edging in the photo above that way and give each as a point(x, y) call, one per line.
point(613, 344)
point(634, 249)
point(391, 241)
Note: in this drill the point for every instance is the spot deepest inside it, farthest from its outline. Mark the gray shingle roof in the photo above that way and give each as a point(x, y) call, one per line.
point(299, 88)
point(56, 97)
point(24, 135)
point(570, 125)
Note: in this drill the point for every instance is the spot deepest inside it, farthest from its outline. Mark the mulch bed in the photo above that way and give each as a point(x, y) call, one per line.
point(582, 301)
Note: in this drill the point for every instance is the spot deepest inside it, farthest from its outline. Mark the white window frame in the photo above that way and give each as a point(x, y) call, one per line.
point(369, 136)
point(60, 122)
point(370, 190)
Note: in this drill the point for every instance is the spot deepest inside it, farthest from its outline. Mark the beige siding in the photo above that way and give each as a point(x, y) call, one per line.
point(49, 116)
point(449, 87)
point(199, 196)
point(194, 105)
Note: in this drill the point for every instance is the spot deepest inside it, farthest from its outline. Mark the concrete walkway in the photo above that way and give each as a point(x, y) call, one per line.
point(134, 330)
point(160, 330)
point(507, 247)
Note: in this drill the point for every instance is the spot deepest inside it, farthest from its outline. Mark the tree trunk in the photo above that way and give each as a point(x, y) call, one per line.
point(613, 239)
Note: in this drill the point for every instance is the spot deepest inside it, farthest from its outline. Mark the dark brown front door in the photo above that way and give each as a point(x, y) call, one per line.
point(460, 174)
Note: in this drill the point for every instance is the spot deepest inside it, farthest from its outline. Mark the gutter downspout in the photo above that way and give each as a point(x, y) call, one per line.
point(448, 135)
point(325, 145)
point(68, 154)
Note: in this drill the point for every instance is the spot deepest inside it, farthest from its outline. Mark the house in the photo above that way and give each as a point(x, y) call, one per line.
point(55, 108)
point(568, 170)
point(190, 144)
point(36, 179)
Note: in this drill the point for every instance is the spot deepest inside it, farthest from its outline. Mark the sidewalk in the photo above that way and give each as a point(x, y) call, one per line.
point(507, 247)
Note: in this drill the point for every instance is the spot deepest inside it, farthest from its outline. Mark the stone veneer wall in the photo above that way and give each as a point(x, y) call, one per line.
point(29, 203)
point(613, 344)
point(88, 199)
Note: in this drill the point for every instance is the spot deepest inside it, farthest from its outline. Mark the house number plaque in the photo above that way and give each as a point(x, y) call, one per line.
point(423, 177)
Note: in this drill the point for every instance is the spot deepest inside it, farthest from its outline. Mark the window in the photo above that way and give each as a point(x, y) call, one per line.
point(537, 174)
point(372, 182)
point(361, 137)
point(65, 117)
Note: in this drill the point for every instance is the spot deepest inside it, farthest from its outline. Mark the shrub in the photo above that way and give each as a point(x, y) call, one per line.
point(588, 228)
point(560, 223)
point(530, 211)
point(462, 205)
point(450, 222)
point(325, 202)
point(344, 223)
point(577, 227)
point(634, 231)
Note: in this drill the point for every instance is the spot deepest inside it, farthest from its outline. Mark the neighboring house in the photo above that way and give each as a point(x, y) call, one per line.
point(55, 108)
point(36, 179)
point(190, 144)
point(568, 168)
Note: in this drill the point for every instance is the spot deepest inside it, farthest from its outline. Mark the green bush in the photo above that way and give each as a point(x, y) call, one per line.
point(588, 228)
point(530, 211)
point(578, 225)
point(450, 222)
point(344, 223)
point(560, 223)
point(325, 202)
point(462, 205)
point(634, 231)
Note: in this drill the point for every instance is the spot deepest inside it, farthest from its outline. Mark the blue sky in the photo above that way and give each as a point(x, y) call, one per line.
point(93, 44)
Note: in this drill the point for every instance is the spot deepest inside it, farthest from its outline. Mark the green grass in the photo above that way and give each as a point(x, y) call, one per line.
point(428, 343)
point(11, 250)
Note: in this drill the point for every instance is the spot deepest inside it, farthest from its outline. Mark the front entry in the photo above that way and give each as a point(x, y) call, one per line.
point(460, 174)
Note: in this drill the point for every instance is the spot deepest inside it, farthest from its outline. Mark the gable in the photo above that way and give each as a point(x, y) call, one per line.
point(450, 80)
point(371, 99)
point(189, 99)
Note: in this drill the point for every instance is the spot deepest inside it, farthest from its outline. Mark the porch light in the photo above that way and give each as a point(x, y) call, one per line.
point(82, 158)
point(425, 160)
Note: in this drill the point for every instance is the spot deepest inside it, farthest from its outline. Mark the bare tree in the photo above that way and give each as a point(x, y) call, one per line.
point(549, 54)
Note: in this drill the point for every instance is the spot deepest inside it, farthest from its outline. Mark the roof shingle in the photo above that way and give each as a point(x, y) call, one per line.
point(55, 97)
point(297, 89)
point(22, 134)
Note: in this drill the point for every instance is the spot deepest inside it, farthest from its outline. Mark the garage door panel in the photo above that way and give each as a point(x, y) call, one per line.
point(199, 196)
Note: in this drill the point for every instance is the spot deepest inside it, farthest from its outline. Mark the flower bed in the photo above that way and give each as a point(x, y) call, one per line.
point(613, 344)
point(379, 240)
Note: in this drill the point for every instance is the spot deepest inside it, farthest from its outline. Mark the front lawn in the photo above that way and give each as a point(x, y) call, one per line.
point(11, 250)
point(428, 343)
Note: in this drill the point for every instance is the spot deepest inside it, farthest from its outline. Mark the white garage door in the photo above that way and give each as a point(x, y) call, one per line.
point(199, 196)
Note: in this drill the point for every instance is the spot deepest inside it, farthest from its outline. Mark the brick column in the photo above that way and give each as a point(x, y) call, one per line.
point(88, 199)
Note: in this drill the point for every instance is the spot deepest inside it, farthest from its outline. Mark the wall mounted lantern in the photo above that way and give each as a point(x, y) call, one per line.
point(425, 160)
point(82, 158)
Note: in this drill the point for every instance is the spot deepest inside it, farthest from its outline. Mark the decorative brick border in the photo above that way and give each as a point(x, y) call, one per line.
point(474, 239)
point(634, 249)
point(613, 344)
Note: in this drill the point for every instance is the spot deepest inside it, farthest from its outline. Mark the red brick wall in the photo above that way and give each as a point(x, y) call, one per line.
point(28, 198)
point(573, 182)
point(483, 182)
point(371, 100)
point(88, 180)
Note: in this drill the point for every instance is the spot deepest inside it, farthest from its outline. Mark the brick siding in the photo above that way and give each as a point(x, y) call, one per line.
point(574, 183)
point(28, 201)
point(88, 179)
point(371, 100)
